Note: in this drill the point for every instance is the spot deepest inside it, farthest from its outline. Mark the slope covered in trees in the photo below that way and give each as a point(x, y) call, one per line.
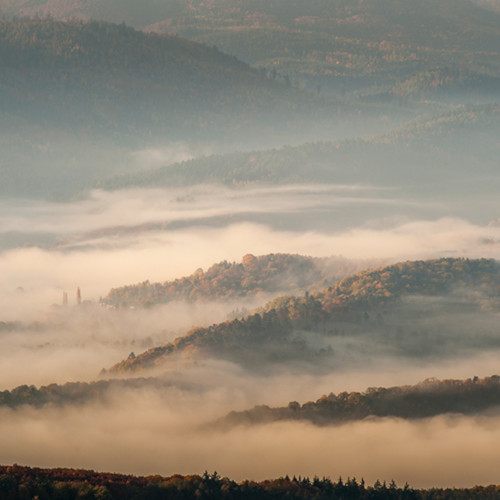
point(253, 276)
point(78, 97)
point(375, 305)
point(73, 393)
point(452, 144)
point(346, 45)
point(427, 399)
point(125, 78)
point(337, 45)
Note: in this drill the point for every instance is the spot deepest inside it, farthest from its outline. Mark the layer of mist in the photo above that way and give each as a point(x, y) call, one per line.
point(112, 239)
point(71, 343)
point(158, 433)
point(161, 428)
point(33, 278)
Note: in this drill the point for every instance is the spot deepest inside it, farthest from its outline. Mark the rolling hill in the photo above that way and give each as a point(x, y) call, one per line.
point(337, 46)
point(78, 98)
point(345, 46)
point(253, 276)
point(426, 399)
point(429, 151)
point(119, 77)
point(375, 308)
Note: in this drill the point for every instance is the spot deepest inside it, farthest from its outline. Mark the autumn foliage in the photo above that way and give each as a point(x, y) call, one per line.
point(350, 298)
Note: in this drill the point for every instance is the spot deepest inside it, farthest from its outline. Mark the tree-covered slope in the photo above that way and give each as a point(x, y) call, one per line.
point(344, 44)
point(456, 145)
point(253, 276)
point(427, 399)
point(95, 74)
point(447, 83)
point(74, 393)
point(372, 305)
point(78, 97)
point(341, 45)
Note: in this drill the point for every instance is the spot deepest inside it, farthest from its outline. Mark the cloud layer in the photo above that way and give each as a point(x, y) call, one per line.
point(102, 262)
point(146, 434)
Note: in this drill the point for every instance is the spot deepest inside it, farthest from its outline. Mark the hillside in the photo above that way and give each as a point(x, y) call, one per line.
point(72, 393)
point(347, 46)
point(251, 277)
point(78, 98)
point(338, 46)
point(375, 307)
point(427, 151)
point(426, 399)
point(125, 77)
point(449, 83)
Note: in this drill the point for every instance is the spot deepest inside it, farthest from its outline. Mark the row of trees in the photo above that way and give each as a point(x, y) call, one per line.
point(71, 392)
point(18, 482)
point(429, 398)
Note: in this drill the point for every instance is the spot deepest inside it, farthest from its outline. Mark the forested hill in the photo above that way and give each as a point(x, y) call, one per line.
point(427, 399)
point(96, 74)
point(278, 331)
point(253, 276)
point(341, 45)
point(77, 98)
point(453, 144)
point(350, 47)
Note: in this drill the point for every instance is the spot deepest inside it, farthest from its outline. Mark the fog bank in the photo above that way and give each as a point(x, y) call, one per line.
point(33, 278)
point(147, 436)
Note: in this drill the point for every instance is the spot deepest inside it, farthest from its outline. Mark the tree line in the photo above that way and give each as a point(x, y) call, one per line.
point(19, 482)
